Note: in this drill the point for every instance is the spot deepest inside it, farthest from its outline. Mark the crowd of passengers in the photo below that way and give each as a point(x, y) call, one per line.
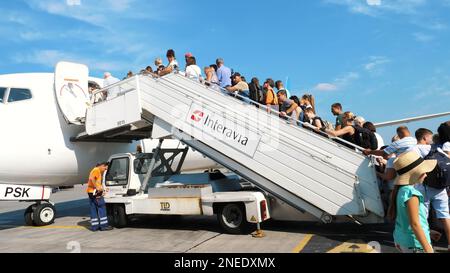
point(402, 166)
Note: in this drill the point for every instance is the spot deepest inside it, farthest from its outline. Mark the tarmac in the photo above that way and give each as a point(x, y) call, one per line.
point(175, 234)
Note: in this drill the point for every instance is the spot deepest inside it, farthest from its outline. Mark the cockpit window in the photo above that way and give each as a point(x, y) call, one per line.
point(19, 94)
point(2, 94)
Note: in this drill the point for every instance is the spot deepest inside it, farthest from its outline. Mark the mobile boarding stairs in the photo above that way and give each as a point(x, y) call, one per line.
point(310, 172)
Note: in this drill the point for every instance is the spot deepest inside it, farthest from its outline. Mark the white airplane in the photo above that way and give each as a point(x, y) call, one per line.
point(409, 120)
point(40, 115)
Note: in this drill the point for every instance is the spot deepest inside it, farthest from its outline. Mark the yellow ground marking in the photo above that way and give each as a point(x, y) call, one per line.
point(303, 243)
point(353, 247)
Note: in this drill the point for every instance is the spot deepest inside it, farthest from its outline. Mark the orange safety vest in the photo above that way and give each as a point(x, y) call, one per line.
point(95, 181)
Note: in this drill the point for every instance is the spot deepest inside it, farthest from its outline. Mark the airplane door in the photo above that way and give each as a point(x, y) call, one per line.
point(71, 89)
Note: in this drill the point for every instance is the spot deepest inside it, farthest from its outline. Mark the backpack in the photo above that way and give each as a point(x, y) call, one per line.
point(439, 178)
point(313, 122)
point(365, 138)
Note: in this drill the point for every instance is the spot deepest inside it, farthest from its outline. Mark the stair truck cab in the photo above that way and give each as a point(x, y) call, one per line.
point(132, 190)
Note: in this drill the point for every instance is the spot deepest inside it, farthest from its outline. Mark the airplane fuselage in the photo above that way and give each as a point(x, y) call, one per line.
point(35, 146)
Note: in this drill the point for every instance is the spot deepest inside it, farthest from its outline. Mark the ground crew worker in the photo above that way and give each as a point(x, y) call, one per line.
point(99, 219)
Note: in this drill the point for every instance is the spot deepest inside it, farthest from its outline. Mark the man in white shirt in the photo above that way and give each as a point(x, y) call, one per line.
point(110, 80)
point(405, 143)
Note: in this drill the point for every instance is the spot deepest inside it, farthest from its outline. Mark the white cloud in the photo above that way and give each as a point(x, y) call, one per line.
point(339, 83)
point(435, 87)
point(376, 62)
point(377, 7)
point(373, 2)
point(325, 87)
point(422, 37)
point(346, 79)
point(103, 13)
point(437, 26)
point(16, 18)
point(73, 2)
point(31, 35)
point(50, 58)
point(374, 68)
point(119, 30)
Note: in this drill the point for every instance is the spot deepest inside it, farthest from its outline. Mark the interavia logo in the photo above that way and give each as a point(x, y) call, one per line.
point(197, 115)
point(219, 127)
point(215, 126)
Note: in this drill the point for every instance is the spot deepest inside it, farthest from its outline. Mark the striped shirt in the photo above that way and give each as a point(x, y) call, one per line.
point(401, 146)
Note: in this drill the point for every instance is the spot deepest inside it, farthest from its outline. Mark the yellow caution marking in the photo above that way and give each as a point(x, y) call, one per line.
point(353, 247)
point(253, 219)
point(303, 243)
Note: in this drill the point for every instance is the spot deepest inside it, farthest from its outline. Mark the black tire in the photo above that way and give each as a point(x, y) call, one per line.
point(110, 214)
point(28, 216)
point(44, 215)
point(233, 220)
point(119, 217)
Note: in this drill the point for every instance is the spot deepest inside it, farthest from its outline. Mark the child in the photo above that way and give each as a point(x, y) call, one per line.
point(412, 233)
point(314, 120)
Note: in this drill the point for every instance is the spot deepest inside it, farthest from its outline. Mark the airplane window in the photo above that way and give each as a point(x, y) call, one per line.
point(19, 94)
point(2, 94)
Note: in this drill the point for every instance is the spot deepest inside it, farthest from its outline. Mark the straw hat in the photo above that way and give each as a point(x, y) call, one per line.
point(410, 167)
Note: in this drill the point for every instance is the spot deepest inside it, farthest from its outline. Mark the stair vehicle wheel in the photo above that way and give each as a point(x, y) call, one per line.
point(233, 220)
point(120, 219)
point(110, 214)
point(28, 215)
point(44, 214)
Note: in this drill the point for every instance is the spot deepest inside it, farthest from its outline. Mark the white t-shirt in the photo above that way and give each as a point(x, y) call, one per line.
point(174, 64)
point(446, 147)
point(390, 165)
point(112, 92)
point(380, 140)
point(424, 150)
point(401, 146)
point(193, 72)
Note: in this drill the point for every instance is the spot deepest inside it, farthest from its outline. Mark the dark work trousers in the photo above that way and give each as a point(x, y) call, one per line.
point(99, 219)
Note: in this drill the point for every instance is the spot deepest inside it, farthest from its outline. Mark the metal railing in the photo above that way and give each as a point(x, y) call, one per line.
point(289, 120)
point(245, 100)
point(119, 85)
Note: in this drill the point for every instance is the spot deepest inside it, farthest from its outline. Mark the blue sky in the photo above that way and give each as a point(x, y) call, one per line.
point(383, 59)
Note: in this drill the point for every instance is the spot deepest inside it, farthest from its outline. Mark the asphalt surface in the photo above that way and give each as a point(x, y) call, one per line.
point(171, 234)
